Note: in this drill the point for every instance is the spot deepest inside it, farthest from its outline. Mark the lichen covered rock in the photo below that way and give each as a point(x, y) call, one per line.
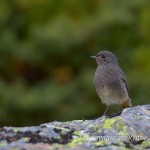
point(130, 130)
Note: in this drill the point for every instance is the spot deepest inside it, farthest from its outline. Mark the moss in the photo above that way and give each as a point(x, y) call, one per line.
point(3, 143)
point(110, 122)
point(78, 133)
point(77, 121)
point(58, 137)
point(123, 130)
point(85, 122)
point(78, 140)
point(61, 129)
point(26, 139)
point(117, 123)
point(96, 127)
point(146, 144)
point(121, 127)
point(100, 143)
point(64, 131)
point(16, 130)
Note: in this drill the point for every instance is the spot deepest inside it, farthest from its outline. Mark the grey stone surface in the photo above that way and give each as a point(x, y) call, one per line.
point(130, 130)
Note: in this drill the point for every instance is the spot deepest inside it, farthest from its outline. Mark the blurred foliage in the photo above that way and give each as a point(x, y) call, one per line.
point(45, 69)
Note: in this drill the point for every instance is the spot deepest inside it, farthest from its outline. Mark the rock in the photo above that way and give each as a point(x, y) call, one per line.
point(130, 130)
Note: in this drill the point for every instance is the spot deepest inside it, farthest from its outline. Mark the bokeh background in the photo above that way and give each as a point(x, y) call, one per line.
point(46, 72)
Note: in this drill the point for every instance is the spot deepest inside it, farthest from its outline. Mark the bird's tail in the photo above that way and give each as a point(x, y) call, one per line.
point(127, 103)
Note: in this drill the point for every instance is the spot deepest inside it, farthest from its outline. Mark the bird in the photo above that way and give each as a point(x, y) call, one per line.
point(110, 81)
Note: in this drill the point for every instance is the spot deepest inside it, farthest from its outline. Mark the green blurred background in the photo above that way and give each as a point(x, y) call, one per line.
point(46, 72)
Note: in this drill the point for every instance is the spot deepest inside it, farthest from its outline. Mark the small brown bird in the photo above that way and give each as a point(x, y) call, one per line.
point(110, 81)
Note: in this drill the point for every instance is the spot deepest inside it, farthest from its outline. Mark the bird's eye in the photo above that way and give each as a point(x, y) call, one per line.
point(103, 56)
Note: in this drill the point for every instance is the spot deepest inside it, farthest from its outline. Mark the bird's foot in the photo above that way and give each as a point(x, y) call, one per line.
point(114, 114)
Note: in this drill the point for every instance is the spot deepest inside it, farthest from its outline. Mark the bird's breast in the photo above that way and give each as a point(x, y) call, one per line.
point(108, 85)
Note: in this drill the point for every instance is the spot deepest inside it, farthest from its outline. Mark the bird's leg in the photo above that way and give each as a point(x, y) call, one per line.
point(105, 111)
point(118, 108)
point(118, 112)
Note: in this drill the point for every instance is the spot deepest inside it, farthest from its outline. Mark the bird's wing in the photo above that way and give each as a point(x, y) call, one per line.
point(123, 78)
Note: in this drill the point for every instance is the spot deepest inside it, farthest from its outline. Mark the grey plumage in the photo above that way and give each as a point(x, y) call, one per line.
point(110, 81)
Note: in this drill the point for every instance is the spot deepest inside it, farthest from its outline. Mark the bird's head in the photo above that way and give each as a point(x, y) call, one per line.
point(105, 57)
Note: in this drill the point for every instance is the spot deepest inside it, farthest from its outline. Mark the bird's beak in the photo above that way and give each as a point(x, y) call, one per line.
point(94, 57)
